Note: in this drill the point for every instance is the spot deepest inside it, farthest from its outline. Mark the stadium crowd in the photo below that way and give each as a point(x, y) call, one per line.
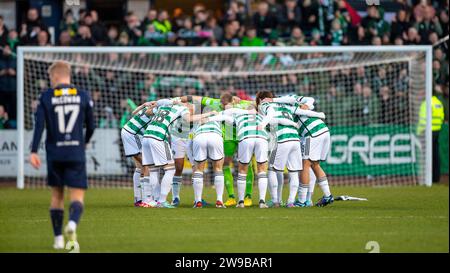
point(274, 23)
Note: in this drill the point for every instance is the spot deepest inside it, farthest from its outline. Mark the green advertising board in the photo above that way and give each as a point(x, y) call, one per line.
point(373, 150)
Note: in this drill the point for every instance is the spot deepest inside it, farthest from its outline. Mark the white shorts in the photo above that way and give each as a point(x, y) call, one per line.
point(257, 146)
point(179, 147)
point(316, 148)
point(286, 154)
point(132, 144)
point(208, 145)
point(156, 152)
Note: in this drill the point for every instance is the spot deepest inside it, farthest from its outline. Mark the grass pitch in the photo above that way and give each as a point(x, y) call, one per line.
point(400, 219)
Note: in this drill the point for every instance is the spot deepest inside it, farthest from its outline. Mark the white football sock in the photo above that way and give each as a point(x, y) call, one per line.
point(241, 183)
point(273, 186)
point(262, 185)
point(136, 185)
point(323, 184)
point(154, 184)
point(197, 183)
point(147, 189)
point(72, 225)
point(302, 193)
point(280, 181)
point(219, 185)
point(293, 186)
point(312, 184)
point(176, 185)
point(166, 184)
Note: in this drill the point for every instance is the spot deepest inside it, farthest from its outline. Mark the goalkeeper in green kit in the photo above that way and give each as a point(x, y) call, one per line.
point(230, 143)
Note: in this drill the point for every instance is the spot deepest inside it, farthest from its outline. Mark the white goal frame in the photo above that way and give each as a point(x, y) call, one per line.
point(428, 50)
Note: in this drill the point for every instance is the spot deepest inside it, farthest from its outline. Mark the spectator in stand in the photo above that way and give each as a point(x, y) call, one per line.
point(124, 39)
point(337, 34)
point(361, 37)
point(8, 63)
point(152, 16)
point(113, 36)
point(152, 37)
point(376, 41)
point(31, 27)
point(274, 7)
point(400, 24)
point(177, 20)
point(84, 37)
point(289, 17)
point(5, 122)
point(230, 35)
point(363, 106)
point(98, 29)
point(81, 14)
point(310, 16)
point(360, 76)
point(316, 38)
point(214, 28)
point(399, 41)
point(43, 39)
point(443, 20)
point(400, 96)
point(380, 80)
point(132, 28)
point(3, 32)
point(13, 41)
point(297, 38)
point(440, 56)
point(69, 24)
point(412, 37)
point(64, 39)
point(427, 22)
point(200, 18)
point(264, 21)
point(163, 24)
point(187, 32)
point(374, 22)
point(251, 39)
point(387, 106)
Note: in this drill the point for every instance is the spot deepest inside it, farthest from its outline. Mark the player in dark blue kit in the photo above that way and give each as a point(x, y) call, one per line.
point(63, 111)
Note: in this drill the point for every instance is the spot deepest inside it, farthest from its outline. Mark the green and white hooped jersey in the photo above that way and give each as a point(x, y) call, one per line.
point(209, 127)
point(180, 129)
point(246, 127)
point(282, 111)
point(137, 124)
point(312, 127)
point(159, 126)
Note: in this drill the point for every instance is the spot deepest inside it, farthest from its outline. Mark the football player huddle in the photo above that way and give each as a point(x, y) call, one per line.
point(269, 135)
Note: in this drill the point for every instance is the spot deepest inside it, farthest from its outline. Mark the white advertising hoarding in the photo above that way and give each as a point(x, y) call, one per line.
point(102, 154)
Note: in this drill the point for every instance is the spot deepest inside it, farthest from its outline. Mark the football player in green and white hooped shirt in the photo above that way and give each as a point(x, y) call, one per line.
point(157, 153)
point(208, 144)
point(131, 135)
point(251, 142)
point(308, 103)
point(287, 152)
point(316, 142)
point(230, 144)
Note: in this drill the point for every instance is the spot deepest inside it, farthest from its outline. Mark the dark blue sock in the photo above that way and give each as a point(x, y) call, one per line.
point(75, 211)
point(57, 216)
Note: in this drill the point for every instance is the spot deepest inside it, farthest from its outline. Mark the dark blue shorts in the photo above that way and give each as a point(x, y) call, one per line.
point(70, 174)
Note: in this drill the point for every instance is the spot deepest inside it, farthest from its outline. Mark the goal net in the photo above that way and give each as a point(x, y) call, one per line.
point(371, 97)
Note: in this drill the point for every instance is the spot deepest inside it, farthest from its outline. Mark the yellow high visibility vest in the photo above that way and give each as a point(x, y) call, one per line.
point(437, 115)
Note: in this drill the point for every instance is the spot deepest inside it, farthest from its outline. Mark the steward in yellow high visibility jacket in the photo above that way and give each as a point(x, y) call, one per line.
point(437, 116)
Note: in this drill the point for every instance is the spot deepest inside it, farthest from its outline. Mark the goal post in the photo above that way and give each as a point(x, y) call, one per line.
point(371, 96)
